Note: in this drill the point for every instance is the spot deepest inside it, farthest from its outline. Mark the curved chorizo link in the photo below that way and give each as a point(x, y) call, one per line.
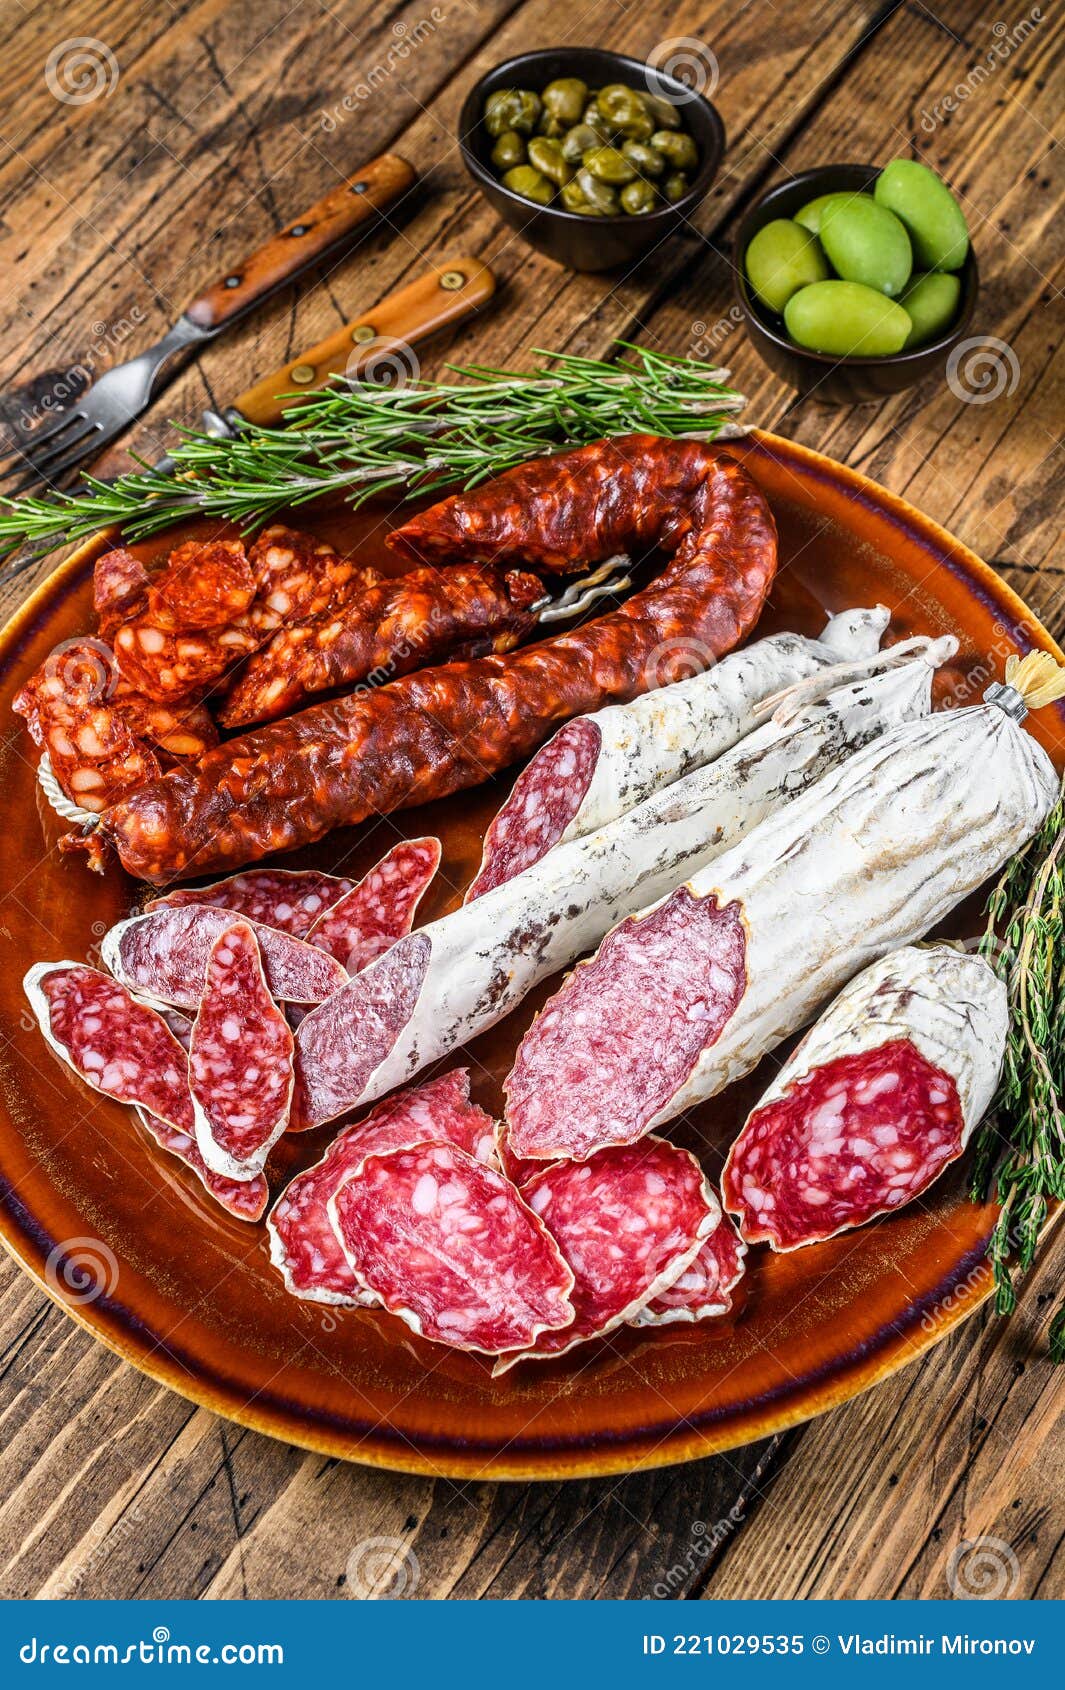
point(442, 729)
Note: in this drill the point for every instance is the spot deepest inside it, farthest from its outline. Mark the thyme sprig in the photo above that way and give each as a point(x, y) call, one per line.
point(361, 440)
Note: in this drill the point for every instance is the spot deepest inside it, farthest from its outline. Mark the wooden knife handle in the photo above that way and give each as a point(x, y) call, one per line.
point(306, 239)
point(380, 339)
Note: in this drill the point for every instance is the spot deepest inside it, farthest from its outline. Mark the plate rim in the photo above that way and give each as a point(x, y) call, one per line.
point(965, 1290)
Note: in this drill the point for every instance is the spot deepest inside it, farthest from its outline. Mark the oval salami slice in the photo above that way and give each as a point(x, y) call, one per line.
point(119, 589)
point(240, 1059)
point(291, 900)
point(704, 1289)
point(447, 1244)
point(628, 1030)
point(118, 1046)
point(628, 1222)
point(201, 586)
point(246, 1199)
point(878, 1098)
point(303, 1245)
point(163, 955)
point(362, 924)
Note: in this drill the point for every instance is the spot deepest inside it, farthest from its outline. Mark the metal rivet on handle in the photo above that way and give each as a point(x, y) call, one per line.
point(232, 281)
point(301, 374)
point(452, 280)
point(359, 187)
point(299, 229)
point(362, 334)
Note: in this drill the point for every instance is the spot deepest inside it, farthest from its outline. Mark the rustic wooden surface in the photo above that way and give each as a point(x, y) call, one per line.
point(112, 214)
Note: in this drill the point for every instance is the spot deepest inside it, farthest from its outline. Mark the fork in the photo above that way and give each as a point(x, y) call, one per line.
point(121, 394)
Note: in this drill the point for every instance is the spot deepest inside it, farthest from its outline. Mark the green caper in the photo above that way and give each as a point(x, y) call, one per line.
point(609, 164)
point(649, 162)
point(677, 149)
point(509, 150)
point(512, 108)
point(566, 98)
point(625, 111)
point(638, 198)
point(674, 187)
point(575, 200)
point(576, 141)
point(546, 156)
point(663, 111)
point(530, 184)
point(595, 120)
point(552, 127)
point(602, 195)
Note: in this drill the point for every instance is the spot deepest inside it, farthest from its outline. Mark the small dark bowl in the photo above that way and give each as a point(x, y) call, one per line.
point(837, 381)
point(587, 243)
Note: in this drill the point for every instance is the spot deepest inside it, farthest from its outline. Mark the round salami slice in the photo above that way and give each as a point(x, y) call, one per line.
point(303, 1245)
point(240, 1059)
point(704, 1289)
point(119, 589)
point(628, 1222)
point(118, 1046)
point(163, 955)
point(245, 1199)
point(363, 923)
point(877, 1099)
point(292, 900)
point(625, 1030)
point(546, 797)
point(202, 586)
point(447, 1244)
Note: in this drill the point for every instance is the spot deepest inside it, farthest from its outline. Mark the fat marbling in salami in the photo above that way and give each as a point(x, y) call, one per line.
point(704, 1290)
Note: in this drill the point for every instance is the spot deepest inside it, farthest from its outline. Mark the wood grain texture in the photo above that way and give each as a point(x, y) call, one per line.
point(228, 116)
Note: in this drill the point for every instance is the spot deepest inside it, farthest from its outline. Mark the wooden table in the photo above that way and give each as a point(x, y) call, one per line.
point(113, 211)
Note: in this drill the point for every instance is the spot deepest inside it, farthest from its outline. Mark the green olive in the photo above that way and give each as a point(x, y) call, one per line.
point(782, 258)
point(931, 303)
point(576, 141)
point(648, 161)
point(811, 213)
point(509, 150)
point(663, 111)
point(930, 214)
point(530, 184)
point(601, 194)
point(678, 149)
point(511, 108)
point(575, 200)
point(547, 158)
point(637, 198)
point(674, 187)
point(865, 242)
point(552, 127)
point(609, 164)
point(624, 109)
point(845, 319)
point(594, 119)
point(566, 98)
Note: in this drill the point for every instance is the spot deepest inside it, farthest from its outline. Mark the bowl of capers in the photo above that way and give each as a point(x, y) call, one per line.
point(593, 157)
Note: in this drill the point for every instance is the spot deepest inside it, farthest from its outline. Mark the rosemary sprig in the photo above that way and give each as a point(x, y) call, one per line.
point(1020, 1150)
point(363, 440)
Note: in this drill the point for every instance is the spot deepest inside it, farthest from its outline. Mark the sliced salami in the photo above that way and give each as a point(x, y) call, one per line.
point(878, 1098)
point(628, 1222)
point(598, 767)
point(72, 713)
point(704, 1289)
point(201, 586)
point(303, 1245)
point(118, 1046)
point(292, 900)
point(478, 962)
point(163, 955)
point(240, 1059)
point(119, 589)
point(363, 923)
point(447, 1244)
point(607, 1053)
point(245, 1199)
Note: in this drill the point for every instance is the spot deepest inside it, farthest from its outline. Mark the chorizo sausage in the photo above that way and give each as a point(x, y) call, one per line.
point(442, 729)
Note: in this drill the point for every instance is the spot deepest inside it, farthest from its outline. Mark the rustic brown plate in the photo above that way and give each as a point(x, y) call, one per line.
point(122, 1237)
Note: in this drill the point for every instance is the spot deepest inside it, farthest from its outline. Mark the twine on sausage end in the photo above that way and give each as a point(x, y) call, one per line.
point(60, 803)
point(1038, 678)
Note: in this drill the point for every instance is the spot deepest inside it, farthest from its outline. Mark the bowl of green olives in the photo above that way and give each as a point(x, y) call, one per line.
point(856, 280)
point(593, 157)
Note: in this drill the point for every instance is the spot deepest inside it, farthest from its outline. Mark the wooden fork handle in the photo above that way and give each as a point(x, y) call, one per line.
point(304, 241)
point(379, 342)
